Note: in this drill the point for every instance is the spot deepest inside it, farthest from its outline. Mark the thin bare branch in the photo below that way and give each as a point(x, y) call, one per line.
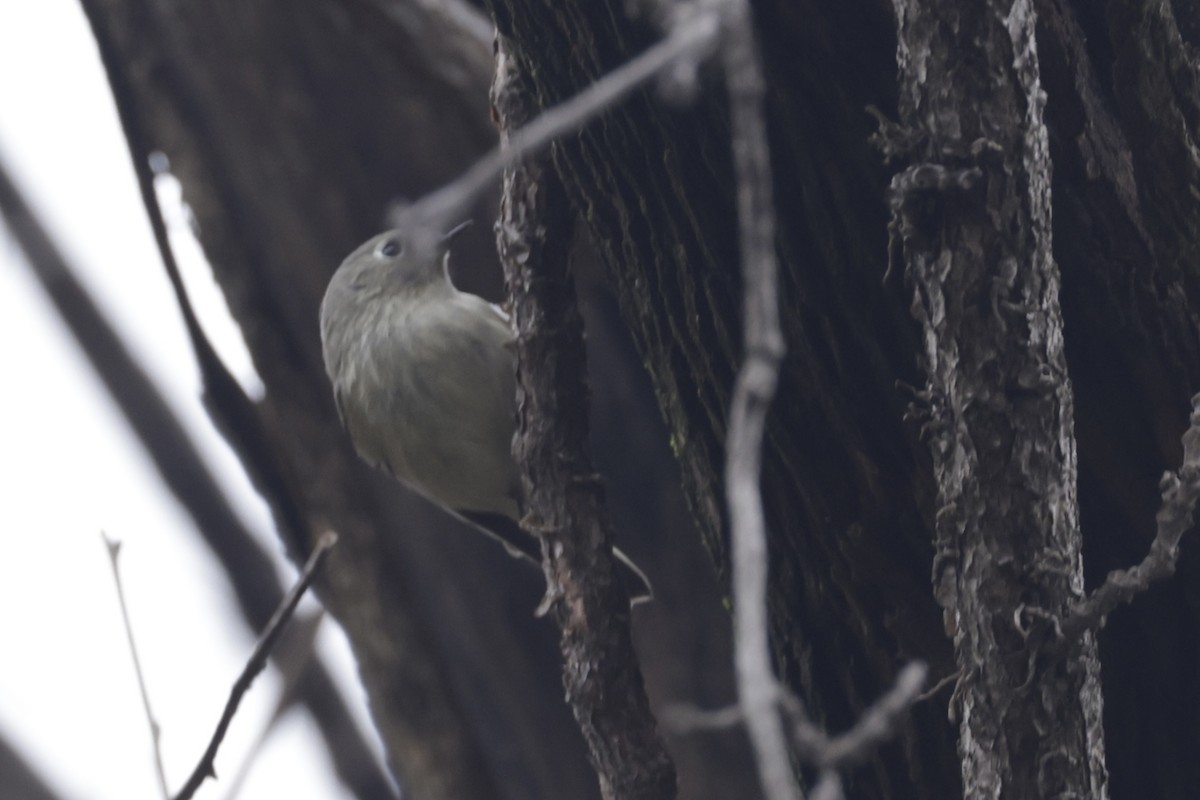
point(250, 568)
point(685, 719)
point(691, 40)
point(937, 687)
point(293, 655)
point(810, 741)
point(258, 660)
point(113, 548)
point(878, 723)
point(1180, 491)
point(758, 691)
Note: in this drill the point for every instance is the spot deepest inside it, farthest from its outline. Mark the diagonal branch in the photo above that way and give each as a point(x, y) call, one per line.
point(231, 409)
point(20, 779)
point(689, 41)
point(258, 661)
point(174, 454)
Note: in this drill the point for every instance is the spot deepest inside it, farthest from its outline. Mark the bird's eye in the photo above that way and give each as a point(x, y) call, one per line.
point(390, 248)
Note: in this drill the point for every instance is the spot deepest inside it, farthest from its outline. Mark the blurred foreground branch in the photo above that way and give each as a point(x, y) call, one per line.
point(174, 454)
point(19, 778)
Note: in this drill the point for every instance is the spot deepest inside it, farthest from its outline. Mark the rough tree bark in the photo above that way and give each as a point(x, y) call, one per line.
point(973, 216)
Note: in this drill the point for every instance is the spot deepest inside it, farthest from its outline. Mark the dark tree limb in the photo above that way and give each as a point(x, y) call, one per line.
point(19, 777)
point(245, 110)
point(249, 568)
point(754, 389)
point(973, 215)
point(229, 406)
point(565, 496)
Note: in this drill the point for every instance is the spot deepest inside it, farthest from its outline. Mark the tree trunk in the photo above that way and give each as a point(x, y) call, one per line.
point(973, 215)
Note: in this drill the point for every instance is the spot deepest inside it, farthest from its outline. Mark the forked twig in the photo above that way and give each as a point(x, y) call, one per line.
point(258, 659)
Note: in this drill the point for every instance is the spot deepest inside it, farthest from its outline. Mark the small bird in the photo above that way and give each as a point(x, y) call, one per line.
point(423, 377)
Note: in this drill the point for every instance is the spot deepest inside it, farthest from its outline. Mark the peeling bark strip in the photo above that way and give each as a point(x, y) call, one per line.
point(600, 671)
point(973, 215)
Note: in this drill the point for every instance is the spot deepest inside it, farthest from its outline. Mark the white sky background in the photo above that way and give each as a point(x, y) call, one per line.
point(69, 468)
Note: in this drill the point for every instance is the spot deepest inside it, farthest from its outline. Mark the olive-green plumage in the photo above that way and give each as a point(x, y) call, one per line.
point(423, 376)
